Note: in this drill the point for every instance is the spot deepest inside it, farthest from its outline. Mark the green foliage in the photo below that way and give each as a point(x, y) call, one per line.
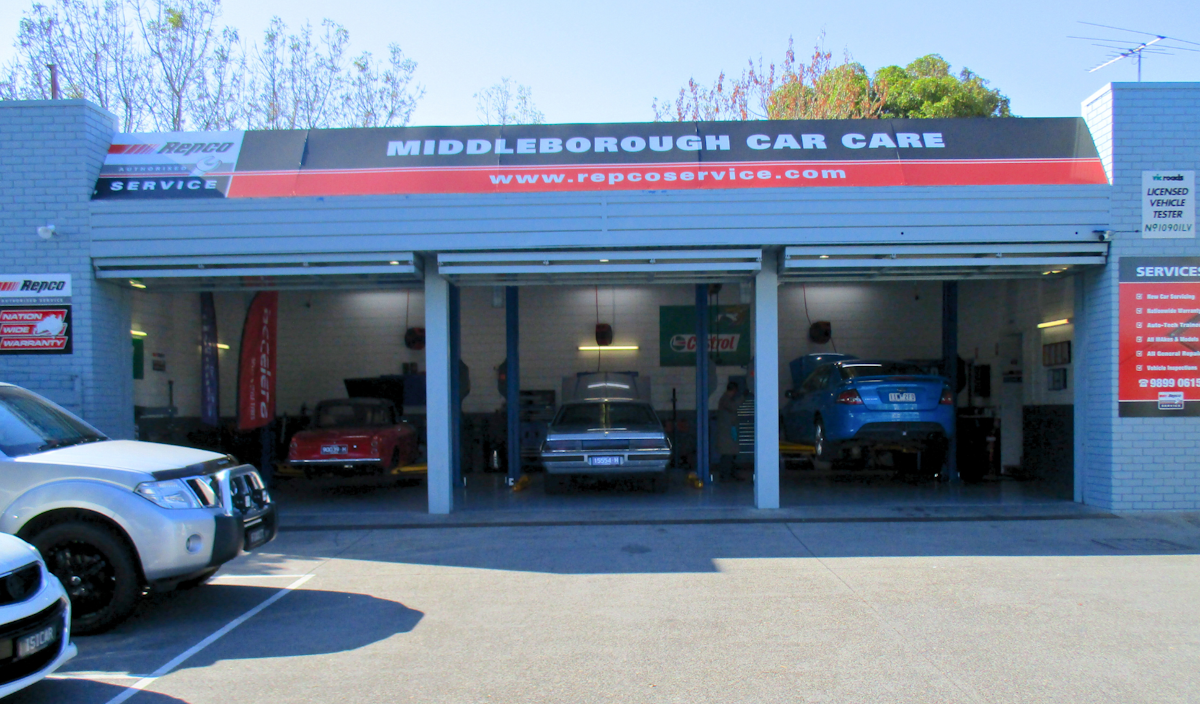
point(926, 88)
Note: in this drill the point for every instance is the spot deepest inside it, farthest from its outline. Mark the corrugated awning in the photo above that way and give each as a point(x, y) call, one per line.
point(273, 271)
point(599, 266)
point(882, 262)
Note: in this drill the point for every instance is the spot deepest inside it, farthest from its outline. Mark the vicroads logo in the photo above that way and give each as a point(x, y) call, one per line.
point(1160, 177)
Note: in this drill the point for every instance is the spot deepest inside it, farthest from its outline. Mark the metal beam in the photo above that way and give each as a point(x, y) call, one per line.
point(950, 357)
point(703, 466)
point(438, 406)
point(512, 336)
point(766, 384)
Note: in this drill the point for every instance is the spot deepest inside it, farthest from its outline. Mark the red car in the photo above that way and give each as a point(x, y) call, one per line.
point(355, 436)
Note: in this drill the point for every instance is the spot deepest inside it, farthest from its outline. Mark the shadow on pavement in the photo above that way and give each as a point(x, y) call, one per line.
point(81, 691)
point(166, 624)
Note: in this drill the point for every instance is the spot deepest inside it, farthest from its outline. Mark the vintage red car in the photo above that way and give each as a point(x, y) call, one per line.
point(355, 436)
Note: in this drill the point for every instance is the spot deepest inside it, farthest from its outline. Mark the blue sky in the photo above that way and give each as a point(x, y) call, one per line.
point(606, 62)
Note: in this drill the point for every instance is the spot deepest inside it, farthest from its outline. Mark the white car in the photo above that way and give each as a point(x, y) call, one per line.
point(35, 617)
point(114, 518)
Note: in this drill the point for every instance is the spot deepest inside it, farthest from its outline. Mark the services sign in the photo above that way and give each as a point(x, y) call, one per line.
point(1159, 349)
point(35, 314)
point(1169, 204)
point(728, 335)
point(600, 157)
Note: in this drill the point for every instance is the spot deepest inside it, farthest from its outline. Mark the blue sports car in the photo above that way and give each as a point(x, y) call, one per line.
point(850, 408)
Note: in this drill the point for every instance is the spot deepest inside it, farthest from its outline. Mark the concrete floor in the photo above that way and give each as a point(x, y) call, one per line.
point(369, 500)
point(1095, 609)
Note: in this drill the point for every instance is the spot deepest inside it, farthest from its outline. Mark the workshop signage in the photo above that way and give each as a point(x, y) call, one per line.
point(600, 157)
point(1159, 349)
point(1169, 204)
point(728, 335)
point(35, 314)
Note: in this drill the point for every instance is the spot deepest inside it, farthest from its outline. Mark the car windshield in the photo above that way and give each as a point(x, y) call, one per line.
point(608, 415)
point(348, 414)
point(856, 370)
point(29, 424)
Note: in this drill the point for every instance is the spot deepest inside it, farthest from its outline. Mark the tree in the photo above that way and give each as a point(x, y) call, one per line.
point(498, 105)
point(165, 64)
point(926, 88)
point(823, 89)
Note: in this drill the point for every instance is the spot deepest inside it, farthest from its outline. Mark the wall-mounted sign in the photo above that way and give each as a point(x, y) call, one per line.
point(600, 157)
point(35, 314)
point(1159, 348)
point(1169, 204)
point(728, 335)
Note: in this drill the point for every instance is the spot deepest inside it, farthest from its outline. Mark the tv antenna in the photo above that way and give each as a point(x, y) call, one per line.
point(1121, 49)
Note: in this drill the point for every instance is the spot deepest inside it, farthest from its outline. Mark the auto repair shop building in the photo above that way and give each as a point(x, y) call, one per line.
point(914, 239)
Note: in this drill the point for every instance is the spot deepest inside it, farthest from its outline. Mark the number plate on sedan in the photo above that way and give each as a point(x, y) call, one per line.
point(255, 536)
point(36, 642)
point(333, 449)
point(902, 398)
point(604, 460)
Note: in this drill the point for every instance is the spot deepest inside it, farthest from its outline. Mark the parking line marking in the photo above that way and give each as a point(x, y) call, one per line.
point(185, 655)
point(255, 576)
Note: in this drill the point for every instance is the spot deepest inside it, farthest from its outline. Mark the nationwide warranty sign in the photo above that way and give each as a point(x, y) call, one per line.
point(35, 314)
point(600, 157)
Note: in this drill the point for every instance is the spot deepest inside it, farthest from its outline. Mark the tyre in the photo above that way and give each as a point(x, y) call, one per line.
point(394, 463)
point(97, 569)
point(823, 455)
point(197, 581)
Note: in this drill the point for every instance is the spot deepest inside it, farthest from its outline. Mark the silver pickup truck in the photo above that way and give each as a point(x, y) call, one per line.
point(114, 518)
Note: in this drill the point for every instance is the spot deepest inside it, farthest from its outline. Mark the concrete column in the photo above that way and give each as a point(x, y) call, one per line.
point(455, 386)
point(1080, 359)
point(703, 462)
point(439, 407)
point(766, 383)
point(512, 330)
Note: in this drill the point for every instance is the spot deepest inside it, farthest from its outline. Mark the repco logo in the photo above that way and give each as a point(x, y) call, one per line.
point(196, 148)
point(727, 342)
point(40, 286)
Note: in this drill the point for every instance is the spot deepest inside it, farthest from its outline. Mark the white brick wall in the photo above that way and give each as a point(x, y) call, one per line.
point(50, 153)
point(1137, 463)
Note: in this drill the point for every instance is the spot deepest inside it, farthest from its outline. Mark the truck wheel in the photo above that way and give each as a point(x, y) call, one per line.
point(97, 570)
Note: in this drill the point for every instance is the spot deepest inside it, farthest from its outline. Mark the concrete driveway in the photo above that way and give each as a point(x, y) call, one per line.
point(1091, 609)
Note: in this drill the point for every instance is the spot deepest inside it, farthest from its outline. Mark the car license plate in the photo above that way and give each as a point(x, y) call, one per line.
point(255, 536)
point(605, 461)
point(902, 398)
point(36, 642)
point(333, 449)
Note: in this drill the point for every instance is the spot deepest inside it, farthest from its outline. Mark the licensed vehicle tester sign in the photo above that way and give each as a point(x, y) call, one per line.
point(35, 314)
point(1168, 204)
point(600, 157)
point(1159, 336)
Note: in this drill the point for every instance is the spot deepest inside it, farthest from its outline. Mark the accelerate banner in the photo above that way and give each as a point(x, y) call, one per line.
point(1159, 336)
point(210, 371)
point(256, 372)
point(601, 157)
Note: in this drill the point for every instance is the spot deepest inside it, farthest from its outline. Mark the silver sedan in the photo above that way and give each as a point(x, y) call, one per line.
point(605, 436)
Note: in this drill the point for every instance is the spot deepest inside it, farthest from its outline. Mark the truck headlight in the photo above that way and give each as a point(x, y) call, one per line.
point(172, 493)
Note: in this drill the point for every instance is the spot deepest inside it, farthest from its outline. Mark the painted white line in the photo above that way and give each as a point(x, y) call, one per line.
point(255, 576)
point(185, 655)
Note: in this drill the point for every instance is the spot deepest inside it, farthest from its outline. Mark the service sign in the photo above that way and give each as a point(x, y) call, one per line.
point(1169, 204)
point(601, 157)
point(728, 335)
point(1159, 336)
point(35, 314)
point(169, 165)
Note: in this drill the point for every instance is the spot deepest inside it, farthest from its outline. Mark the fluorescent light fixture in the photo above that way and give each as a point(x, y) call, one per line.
point(222, 346)
point(608, 383)
point(824, 256)
point(1054, 323)
point(137, 333)
point(136, 284)
point(614, 348)
point(394, 263)
point(603, 261)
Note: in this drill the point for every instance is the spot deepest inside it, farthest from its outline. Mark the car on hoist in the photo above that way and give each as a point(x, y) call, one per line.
point(850, 409)
point(605, 437)
point(353, 436)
